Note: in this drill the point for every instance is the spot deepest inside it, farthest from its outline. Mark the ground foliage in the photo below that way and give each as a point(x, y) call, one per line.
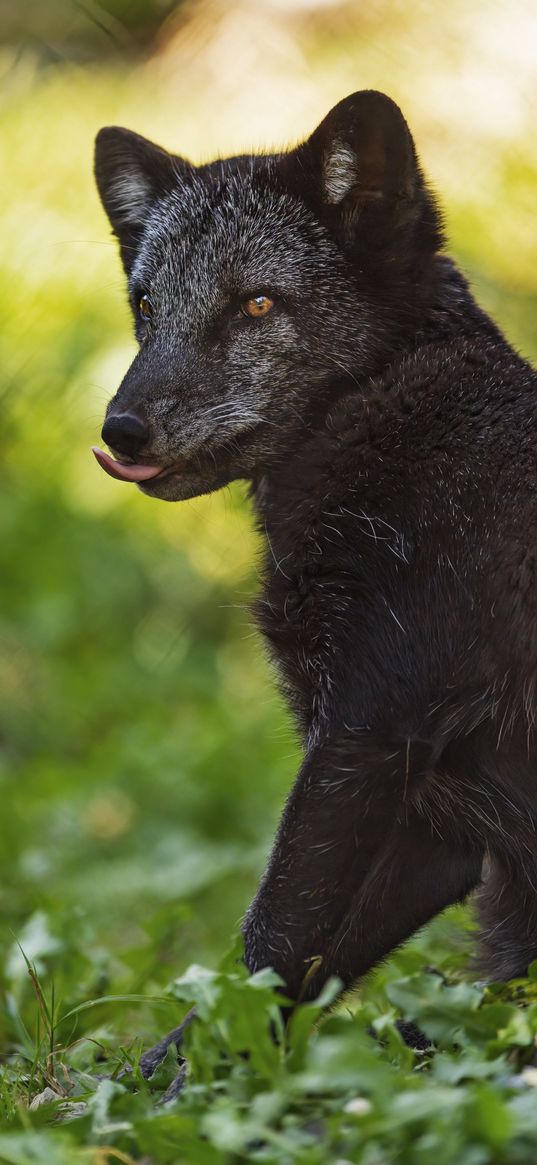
point(144, 753)
point(341, 1086)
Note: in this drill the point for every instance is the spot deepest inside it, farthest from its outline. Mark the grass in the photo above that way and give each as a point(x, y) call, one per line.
point(139, 797)
point(342, 1086)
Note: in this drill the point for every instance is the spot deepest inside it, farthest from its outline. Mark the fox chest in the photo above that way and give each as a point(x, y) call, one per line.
point(293, 614)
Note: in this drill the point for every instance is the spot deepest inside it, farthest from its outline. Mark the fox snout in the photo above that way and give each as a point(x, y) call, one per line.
point(159, 437)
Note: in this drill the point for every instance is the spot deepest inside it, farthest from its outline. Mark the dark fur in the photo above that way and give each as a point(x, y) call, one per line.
point(390, 435)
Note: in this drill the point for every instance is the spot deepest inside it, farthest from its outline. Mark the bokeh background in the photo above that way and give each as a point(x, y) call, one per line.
point(144, 751)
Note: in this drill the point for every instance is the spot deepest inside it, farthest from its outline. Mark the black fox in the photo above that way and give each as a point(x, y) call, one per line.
point(301, 327)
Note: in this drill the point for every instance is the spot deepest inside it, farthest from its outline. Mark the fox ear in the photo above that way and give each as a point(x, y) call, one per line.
point(364, 151)
point(131, 174)
point(361, 167)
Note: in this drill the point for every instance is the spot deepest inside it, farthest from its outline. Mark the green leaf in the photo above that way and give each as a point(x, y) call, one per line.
point(303, 1021)
point(199, 986)
point(446, 1013)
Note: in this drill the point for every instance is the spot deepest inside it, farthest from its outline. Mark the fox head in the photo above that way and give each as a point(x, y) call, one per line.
point(260, 287)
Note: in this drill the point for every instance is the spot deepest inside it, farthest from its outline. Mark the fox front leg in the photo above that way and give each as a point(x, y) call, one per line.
point(356, 867)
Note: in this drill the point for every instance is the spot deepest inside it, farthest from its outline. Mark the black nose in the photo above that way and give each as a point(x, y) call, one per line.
point(125, 433)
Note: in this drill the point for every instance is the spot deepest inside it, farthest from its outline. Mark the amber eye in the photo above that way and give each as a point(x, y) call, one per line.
point(258, 306)
point(145, 308)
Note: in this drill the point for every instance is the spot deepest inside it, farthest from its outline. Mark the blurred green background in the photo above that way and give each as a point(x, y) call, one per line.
point(144, 751)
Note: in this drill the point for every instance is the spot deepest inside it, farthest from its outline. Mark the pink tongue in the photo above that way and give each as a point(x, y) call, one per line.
point(125, 472)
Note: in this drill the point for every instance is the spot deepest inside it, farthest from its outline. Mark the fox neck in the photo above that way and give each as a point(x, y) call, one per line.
point(451, 313)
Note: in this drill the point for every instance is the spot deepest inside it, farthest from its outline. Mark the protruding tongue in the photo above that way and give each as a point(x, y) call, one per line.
point(125, 472)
